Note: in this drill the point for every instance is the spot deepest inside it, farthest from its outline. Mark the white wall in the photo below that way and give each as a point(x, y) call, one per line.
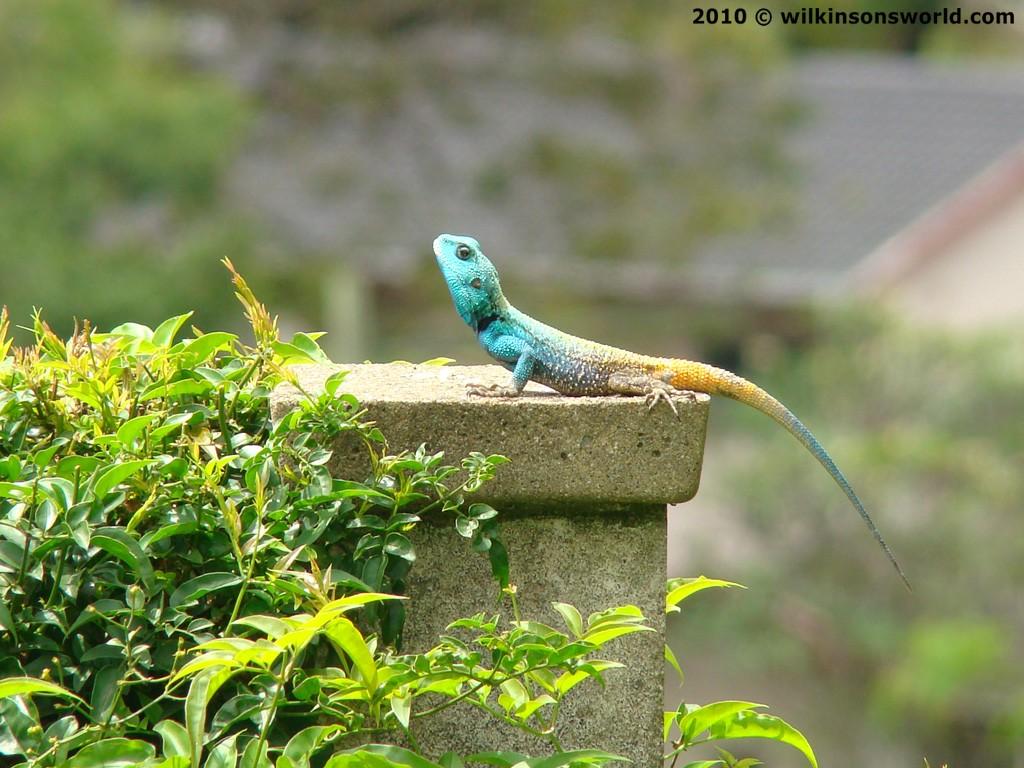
point(976, 282)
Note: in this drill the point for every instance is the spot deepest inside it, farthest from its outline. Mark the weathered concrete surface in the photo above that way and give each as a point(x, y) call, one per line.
point(563, 449)
point(593, 558)
point(583, 517)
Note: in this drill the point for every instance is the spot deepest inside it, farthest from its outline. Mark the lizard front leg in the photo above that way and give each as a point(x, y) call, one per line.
point(507, 349)
point(652, 388)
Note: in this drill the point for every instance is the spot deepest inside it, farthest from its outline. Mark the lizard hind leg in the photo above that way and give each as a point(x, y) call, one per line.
point(653, 389)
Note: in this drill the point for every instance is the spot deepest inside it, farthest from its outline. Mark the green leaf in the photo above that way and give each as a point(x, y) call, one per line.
point(306, 343)
point(595, 756)
point(527, 710)
point(199, 350)
point(19, 686)
point(480, 511)
point(362, 759)
point(502, 759)
point(164, 334)
point(606, 633)
point(128, 330)
point(333, 382)
point(130, 431)
point(108, 651)
point(392, 755)
point(398, 545)
point(110, 478)
point(562, 759)
point(347, 638)
point(668, 719)
point(670, 657)
point(497, 555)
point(514, 694)
point(16, 491)
point(61, 729)
point(112, 753)
point(571, 617)
point(45, 456)
point(86, 395)
point(569, 680)
point(199, 586)
point(177, 761)
point(238, 708)
point(438, 361)
point(680, 589)
point(255, 755)
point(20, 732)
point(175, 738)
point(271, 626)
point(104, 690)
point(224, 754)
point(7, 622)
point(166, 532)
point(307, 741)
point(704, 764)
point(122, 545)
point(202, 688)
point(83, 465)
point(347, 603)
point(696, 721)
point(177, 389)
point(300, 350)
point(754, 725)
point(401, 706)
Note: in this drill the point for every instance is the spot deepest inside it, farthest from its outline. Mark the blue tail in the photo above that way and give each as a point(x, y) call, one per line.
point(810, 442)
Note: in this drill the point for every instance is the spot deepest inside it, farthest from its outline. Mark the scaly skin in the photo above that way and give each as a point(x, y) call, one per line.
point(574, 366)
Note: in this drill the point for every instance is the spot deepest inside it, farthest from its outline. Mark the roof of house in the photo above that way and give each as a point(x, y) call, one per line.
point(881, 141)
point(885, 139)
point(930, 235)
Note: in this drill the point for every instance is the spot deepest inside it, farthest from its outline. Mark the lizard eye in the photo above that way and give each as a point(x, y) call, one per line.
point(475, 282)
point(463, 251)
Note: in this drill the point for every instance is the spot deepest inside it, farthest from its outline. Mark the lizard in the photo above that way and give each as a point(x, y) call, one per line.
point(575, 366)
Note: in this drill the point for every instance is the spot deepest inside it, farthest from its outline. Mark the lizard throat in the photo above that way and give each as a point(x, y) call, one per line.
point(484, 322)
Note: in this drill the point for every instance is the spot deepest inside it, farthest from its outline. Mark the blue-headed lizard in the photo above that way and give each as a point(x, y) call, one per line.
point(575, 366)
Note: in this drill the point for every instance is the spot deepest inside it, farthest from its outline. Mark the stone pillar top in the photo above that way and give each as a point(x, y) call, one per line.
point(562, 449)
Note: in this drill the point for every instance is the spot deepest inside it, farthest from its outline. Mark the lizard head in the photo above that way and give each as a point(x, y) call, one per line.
point(472, 279)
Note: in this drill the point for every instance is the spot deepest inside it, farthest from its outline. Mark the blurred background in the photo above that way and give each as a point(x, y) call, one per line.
point(835, 212)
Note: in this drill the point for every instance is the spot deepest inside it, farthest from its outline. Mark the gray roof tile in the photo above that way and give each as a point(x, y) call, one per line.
point(884, 140)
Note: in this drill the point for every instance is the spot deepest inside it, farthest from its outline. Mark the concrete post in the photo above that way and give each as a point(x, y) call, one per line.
point(583, 514)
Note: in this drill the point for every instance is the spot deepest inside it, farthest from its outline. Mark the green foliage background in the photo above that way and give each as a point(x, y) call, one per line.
point(111, 158)
point(920, 423)
point(114, 154)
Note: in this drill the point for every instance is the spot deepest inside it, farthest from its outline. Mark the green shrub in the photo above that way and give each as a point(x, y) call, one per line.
point(185, 582)
point(176, 569)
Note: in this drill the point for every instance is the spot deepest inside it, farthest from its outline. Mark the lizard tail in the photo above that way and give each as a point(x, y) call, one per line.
point(717, 381)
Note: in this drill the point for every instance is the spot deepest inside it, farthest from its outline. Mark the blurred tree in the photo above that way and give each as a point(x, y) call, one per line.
point(109, 152)
point(927, 428)
point(618, 130)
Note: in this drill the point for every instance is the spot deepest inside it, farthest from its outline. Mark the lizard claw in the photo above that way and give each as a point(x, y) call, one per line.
point(491, 390)
point(660, 394)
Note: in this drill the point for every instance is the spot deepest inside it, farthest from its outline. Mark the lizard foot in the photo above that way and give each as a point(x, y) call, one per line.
point(653, 389)
point(663, 394)
point(491, 390)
